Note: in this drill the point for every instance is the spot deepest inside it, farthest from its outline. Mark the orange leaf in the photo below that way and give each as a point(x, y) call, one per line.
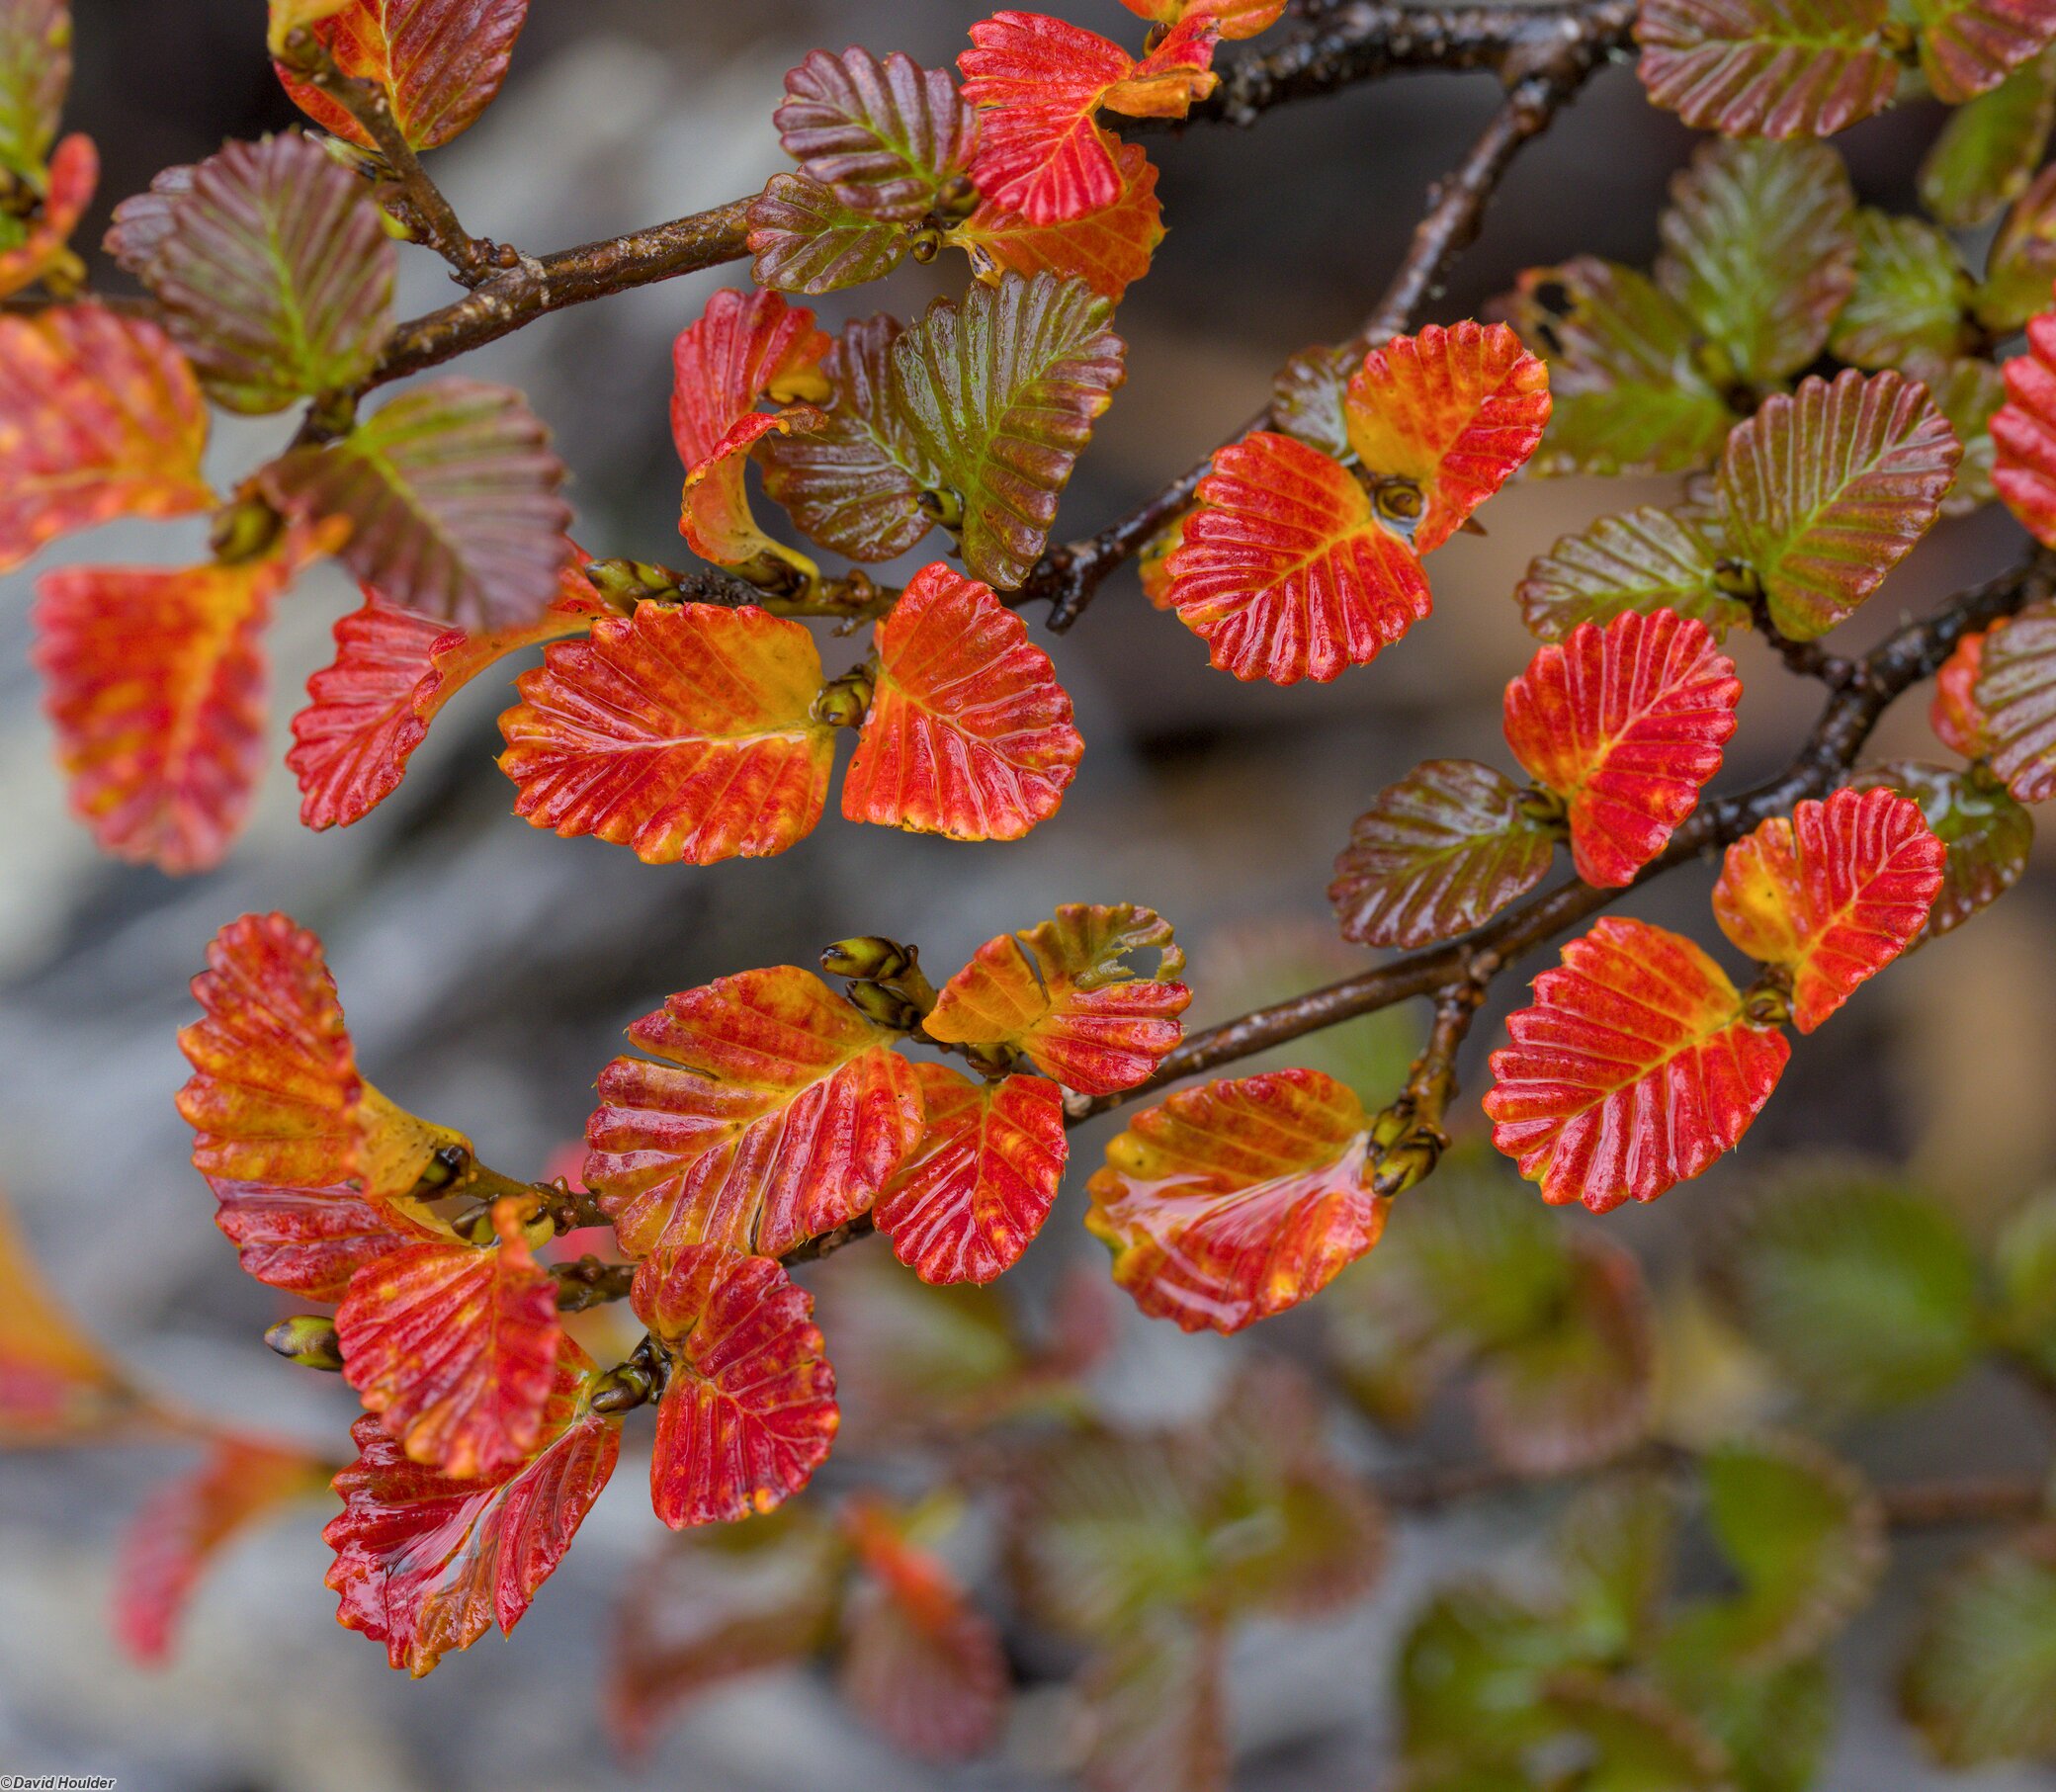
point(778, 1113)
point(439, 62)
point(1234, 18)
point(1456, 411)
point(684, 732)
point(1107, 248)
point(1833, 893)
point(100, 417)
point(455, 1347)
point(1238, 1199)
point(748, 1410)
point(425, 1564)
point(1958, 721)
point(46, 246)
point(980, 1184)
point(1634, 1070)
point(1285, 571)
point(968, 733)
point(56, 1385)
point(309, 1241)
point(1626, 724)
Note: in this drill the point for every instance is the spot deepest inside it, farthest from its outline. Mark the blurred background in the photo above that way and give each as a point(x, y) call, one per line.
point(489, 969)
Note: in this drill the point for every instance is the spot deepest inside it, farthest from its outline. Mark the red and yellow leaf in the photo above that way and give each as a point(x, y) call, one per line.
point(978, 1185)
point(1238, 1199)
point(748, 1408)
point(1284, 570)
point(56, 1385)
point(1634, 1070)
point(45, 244)
point(779, 1112)
point(1455, 412)
point(684, 732)
point(968, 733)
point(1234, 18)
point(2024, 432)
point(100, 417)
point(1626, 724)
point(1107, 248)
point(2014, 691)
point(426, 1564)
point(1832, 894)
point(311, 1241)
point(439, 62)
point(1958, 721)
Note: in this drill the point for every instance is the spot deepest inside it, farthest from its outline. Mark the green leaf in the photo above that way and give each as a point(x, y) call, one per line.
point(1648, 559)
point(2025, 1257)
point(1614, 1549)
point(451, 492)
point(35, 74)
point(1307, 399)
point(1472, 1672)
point(1861, 1289)
point(1969, 392)
point(1634, 1739)
point(1158, 1702)
point(1760, 247)
point(1912, 296)
point(1775, 1726)
point(807, 240)
point(1438, 853)
point(1969, 47)
point(1776, 68)
point(2016, 691)
point(2021, 261)
point(1981, 1683)
point(275, 273)
point(997, 398)
point(1989, 835)
point(1989, 148)
point(1826, 490)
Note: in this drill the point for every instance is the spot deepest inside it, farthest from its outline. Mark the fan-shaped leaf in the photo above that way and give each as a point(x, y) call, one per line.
point(968, 733)
point(1912, 296)
point(1626, 724)
point(311, 1241)
point(1824, 492)
point(34, 73)
point(1987, 833)
point(438, 62)
point(1981, 1683)
point(427, 1564)
point(882, 135)
point(1832, 894)
point(807, 240)
point(1648, 560)
point(2024, 432)
point(977, 1187)
point(1634, 1070)
point(1108, 248)
point(41, 246)
point(1989, 148)
point(748, 1410)
point(2012, 693)
point(1776, 68)
point(1238, 1199)
point(1438, 853)
point(1284, 570)
point(1969, 47)
point(778, 1112)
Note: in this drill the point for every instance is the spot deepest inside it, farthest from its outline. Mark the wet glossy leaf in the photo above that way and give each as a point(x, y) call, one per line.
point(1775, 68)
point(1634, 1070)
point(1761, 248)
point(99, 418)
point(1284, 570)
point(777, 1113)
point(1958, 722)
point(748, 1408)
point(1989, 148)
point(34, 73)
point(451, 492)
point(311, 1241)
point(1626, 724)
point(438, 63)
point(2024, 432)
point(56, 1385)
point(275, 273)
point(1912, 296)
point(683, 732)
point(807, 240)
point(41, 246)
point(1832, 894)
point(968, 733)
point(1108, 248)
point(1969, 47)
point(1648, 560)
point(2013, 692)
point(1308, 396)
point(1981, 1683)
point(1824, 491)
point(1988, 835)
point(882, 135)
point(1438, 853)
point(1157, 1699)
point(1234, 1200)
point(977, 1187)
point(427, 1564)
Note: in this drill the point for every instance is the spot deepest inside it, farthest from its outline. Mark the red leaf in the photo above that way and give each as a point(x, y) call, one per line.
point(1107, 248)
point(1284, 570)
point(685, 731)
point(439, 62)
point(1626, 724)
point(1167, 81)
point(1958, 722)
point(968, 733)
point(748, 1410)
point(100, 417)
point(2015, 693)
point(1236, 1200)
point(455, 1347)
point(1776, 68)
point(980, 1183)
point(1455, 412)
point(1634, 1070)
point(779, 1112)
point(1833, 893)
point(1969, 47)
point(186, 1524)
point(426, 1564)
point(309, 1241)
point(2024, 432)
point(45, 246)
point(1234, 18)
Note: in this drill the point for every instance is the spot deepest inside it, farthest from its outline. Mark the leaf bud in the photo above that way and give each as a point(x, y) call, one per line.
point(868, 956)
point(886, 1006)
point(309, 1339)
point(243, 529)
point(623, 584)
point(945, 509)
point(924, 245)
point(844, 702)
point(957, 198)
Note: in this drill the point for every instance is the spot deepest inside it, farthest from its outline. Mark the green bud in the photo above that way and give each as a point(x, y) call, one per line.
point(868, 956)
point(244, 529)
point(844, 702)
point(885, 1006)
point(309, 1339)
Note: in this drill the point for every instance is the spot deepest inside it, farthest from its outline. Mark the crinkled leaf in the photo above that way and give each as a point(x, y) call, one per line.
point(1832, 894)
point(1958, 722)
point(438, 63)
point(1824, 491)
point(34, 73)
point(1438, 853)
point(1912, 296)
point(1969, 47)
point(2023, 431)
point(807, 240)
point(99, 418)
point(1989, 148)
point(683, 730)
point(1981, 1683)
point(41, 247)
point(968, 733)
point(1988, 835)
point(775, 1113)
point(1634, 1070)
point(427, 1564)
point(311, 1241)
point(882, 135)
point(1648, 559)
point(1108, 248)
point(1284, 570)
point(142, 221)
point(1778, 68)
point(1156, 1703)
point(56, 1385)
point(1626, 724)
point(2014, 693)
